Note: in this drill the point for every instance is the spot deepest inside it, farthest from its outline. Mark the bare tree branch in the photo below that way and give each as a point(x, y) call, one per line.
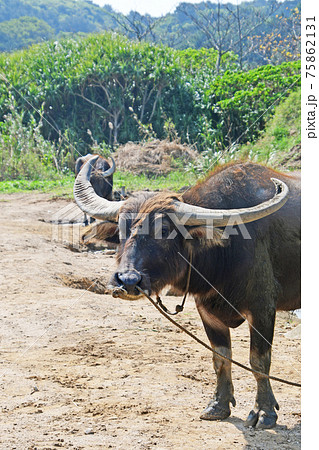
point(137, 25)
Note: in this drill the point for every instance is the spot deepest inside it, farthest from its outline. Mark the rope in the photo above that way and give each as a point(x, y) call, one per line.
point(178, 308)
point(226, 358)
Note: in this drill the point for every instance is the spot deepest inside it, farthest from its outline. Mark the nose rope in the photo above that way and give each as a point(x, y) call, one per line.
point(226, 358)
point(178, 308)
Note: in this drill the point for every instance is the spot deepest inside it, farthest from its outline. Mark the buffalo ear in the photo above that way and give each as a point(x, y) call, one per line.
point(78, 164)
point(206, 236)
point(103, 231)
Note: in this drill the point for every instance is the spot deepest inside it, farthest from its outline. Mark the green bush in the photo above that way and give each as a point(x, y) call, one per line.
point(241, 102)
point(24, 153)
point(118, 89)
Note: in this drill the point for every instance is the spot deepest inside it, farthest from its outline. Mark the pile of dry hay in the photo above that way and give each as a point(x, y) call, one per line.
point(153, 158)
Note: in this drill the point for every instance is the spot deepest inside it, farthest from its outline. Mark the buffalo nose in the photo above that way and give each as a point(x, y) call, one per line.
point(130, 279)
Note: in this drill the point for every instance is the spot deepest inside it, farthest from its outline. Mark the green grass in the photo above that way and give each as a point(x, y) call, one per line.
point(282, 133)
point(173, 181)
point(63, 187)
point(59, 187)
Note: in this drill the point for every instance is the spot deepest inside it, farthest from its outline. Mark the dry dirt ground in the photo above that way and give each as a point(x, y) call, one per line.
point(80, 370)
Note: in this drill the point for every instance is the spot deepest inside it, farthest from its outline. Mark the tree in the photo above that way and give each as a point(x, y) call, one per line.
point(226, 28)
point(214, 23)
point(282, 43)
point(246, 25)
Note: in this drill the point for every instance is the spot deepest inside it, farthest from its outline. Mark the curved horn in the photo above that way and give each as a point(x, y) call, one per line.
point(80, 161)
point(111, 170)
point(196, 215)
point(87, 199)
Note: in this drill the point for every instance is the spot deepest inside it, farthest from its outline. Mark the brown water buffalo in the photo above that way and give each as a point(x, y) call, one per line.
point(101, 176)
point(243, 235)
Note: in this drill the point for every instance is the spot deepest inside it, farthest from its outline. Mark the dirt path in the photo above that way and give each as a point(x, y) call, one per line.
point(86, 371)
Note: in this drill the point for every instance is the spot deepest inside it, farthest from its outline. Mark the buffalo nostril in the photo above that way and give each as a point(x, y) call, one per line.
point(130, 278)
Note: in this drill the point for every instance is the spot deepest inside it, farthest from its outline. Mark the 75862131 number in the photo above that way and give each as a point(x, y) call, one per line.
point(310, 47)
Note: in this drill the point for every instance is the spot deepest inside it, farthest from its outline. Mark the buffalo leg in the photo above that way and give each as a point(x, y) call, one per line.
point(261, 335)
point(218, 408)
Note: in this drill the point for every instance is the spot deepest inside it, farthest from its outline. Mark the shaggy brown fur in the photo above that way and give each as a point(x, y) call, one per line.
point(160, 204)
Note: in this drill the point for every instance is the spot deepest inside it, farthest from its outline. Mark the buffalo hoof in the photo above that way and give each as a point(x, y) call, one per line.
point(215, 411)
point(262, 420)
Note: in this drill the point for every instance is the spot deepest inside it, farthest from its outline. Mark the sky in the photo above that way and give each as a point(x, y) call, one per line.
point(155, 8)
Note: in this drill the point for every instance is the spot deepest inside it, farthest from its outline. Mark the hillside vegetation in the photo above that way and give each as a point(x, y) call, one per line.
point(97, 92)
point(258, 31)
point(280, 143)
point(17, 30)
point(122, 91)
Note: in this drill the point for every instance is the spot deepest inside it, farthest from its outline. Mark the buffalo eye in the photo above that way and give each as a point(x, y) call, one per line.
point(165, 232)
